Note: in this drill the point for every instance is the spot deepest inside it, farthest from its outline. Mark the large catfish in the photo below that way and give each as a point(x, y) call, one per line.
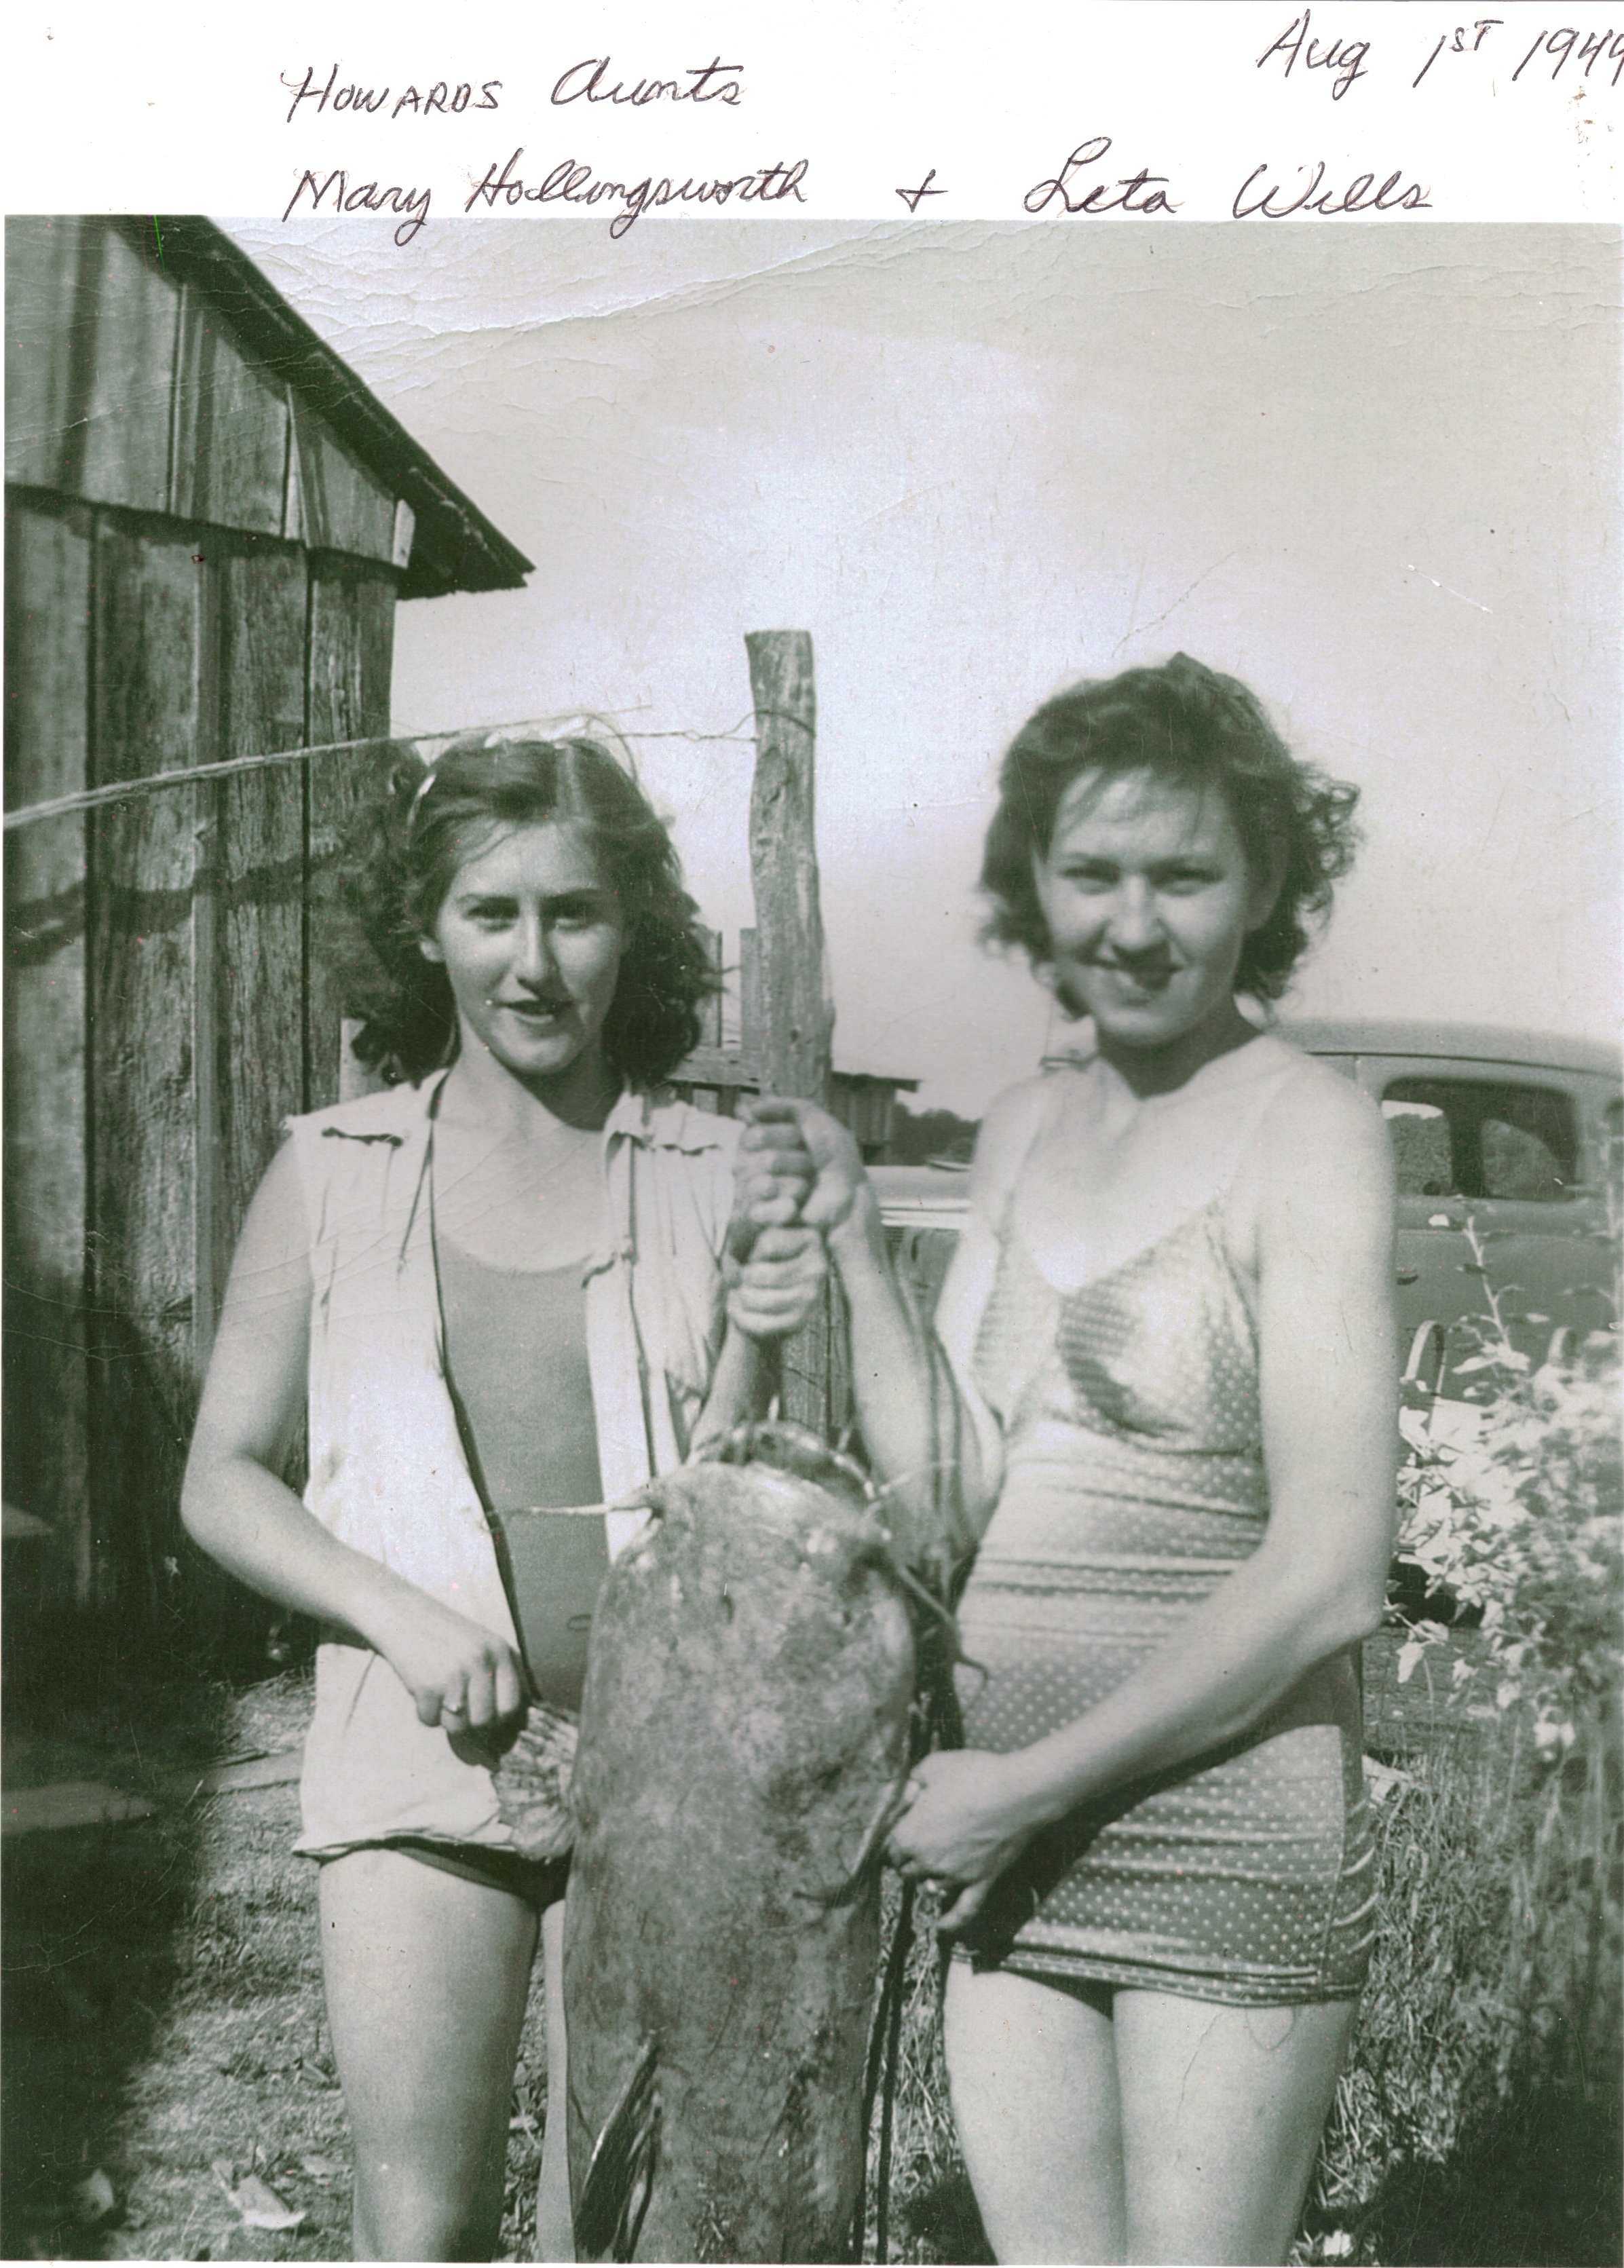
point(743, 1734)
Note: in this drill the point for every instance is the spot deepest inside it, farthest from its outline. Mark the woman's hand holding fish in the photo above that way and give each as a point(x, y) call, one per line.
point(798, 1174)
point(772, 1277)
point(460, 1676)
point(794, 1155)
point(968, 1817)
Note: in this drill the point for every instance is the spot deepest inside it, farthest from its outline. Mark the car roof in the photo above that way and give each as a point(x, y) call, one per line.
point(935, 1194)
point(1471, 1042)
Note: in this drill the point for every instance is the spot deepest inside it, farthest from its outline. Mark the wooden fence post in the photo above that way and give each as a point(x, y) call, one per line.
point(797, 1021)
point(794, 1019)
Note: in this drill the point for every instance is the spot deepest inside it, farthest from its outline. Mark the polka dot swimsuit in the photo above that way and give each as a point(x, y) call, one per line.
point(1133, 1484)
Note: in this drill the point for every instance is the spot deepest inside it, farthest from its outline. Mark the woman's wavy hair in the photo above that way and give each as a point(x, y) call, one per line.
point(404, 854)
point(1192, 727)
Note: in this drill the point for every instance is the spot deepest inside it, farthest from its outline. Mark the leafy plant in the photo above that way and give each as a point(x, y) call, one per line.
point(1513, 1508)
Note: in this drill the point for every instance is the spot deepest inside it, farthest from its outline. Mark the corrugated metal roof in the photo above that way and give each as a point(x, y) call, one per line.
point(455, 547)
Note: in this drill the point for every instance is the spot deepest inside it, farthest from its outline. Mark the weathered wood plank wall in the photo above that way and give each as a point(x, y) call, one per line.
point(47, 720)
point(164, 1014)
point(124, 387)
point(351, 646)
point(142, 862)
point(166, 604)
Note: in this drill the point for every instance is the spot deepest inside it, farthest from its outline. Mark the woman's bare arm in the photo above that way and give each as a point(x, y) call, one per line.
point(236, 1506)
point(1315, 1584)
point(915, 1424)
point(798, 1163)
point(738, 1388)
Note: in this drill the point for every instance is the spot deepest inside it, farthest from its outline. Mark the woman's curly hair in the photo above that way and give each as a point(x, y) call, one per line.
point(1187, 725)
point(403, 856)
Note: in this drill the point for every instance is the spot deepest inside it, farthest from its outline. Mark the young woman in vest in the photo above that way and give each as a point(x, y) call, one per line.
point(499, 1282)
point(1171, 1317)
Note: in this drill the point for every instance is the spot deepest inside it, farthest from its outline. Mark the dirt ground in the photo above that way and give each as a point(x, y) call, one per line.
point(163, 2014)
point(163, 2025)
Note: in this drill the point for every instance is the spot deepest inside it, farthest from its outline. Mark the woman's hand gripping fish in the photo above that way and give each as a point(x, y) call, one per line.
point(745, 1735)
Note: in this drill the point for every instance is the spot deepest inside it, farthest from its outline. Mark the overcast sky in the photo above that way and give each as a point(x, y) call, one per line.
point(1372, 471)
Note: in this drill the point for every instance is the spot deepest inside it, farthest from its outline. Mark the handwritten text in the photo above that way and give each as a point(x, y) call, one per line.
point(1481, 24)
point(704, 84)
point(576, 185)
point(1361, 194)
point(366, 196)
point(1136, 193)
point(1346, 57)
point(1586, 49)
point(422, 102)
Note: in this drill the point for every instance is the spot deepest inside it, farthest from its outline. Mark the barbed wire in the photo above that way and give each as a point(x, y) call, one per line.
point(95, 798)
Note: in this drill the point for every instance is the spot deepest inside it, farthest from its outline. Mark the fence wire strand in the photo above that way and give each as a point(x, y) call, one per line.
point(94, 799)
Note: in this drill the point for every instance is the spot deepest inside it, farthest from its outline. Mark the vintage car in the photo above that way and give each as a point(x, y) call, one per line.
point(1512, 1139)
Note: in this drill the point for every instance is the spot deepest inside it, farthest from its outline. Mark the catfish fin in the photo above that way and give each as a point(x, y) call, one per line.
point(620, 2178)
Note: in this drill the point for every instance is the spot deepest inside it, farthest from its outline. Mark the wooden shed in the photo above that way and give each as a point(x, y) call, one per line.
point(209, 521)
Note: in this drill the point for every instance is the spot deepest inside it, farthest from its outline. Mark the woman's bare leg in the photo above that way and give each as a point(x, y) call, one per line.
point(1222, 2109)
point(554, 2221)
point(1034, 2087)
point(426, 1979)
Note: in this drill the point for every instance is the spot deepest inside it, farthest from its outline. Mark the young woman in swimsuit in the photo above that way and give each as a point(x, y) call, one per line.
point(1169, 1319)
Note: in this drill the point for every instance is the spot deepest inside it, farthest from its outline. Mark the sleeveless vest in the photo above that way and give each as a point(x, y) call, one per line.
point(387, 1472)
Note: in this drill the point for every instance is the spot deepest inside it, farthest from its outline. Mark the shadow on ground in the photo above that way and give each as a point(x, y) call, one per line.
point(946, 2219)
point(117, 1935)
point(90, 1917)
point(1537, 2181)
point(1537, 2186)
point(92, 1914)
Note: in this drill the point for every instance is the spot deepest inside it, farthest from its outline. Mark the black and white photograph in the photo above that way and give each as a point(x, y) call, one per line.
point(813, 1166)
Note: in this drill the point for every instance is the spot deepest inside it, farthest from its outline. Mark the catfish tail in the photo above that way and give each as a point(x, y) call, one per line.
point(620, 2179)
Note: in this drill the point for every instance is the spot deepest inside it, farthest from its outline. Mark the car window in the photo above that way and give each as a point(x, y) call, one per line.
point(1612, 1159)
point(1480, 1138)
point(1420, 1146)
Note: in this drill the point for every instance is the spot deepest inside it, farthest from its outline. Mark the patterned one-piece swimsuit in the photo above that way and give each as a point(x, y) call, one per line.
point(1133, 1485)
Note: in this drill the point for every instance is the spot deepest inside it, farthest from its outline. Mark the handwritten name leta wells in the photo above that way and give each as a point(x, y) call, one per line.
point(1148, 193)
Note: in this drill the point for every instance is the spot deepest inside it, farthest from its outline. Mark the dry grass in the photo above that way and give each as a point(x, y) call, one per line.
point(1480, 2120)
point(164, 2010)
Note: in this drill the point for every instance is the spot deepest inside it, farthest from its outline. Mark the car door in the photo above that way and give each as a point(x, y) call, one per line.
point(1491, 1161)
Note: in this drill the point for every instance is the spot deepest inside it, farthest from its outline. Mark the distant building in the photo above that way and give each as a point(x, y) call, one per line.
point(714, 1075)
point(866, 1102)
